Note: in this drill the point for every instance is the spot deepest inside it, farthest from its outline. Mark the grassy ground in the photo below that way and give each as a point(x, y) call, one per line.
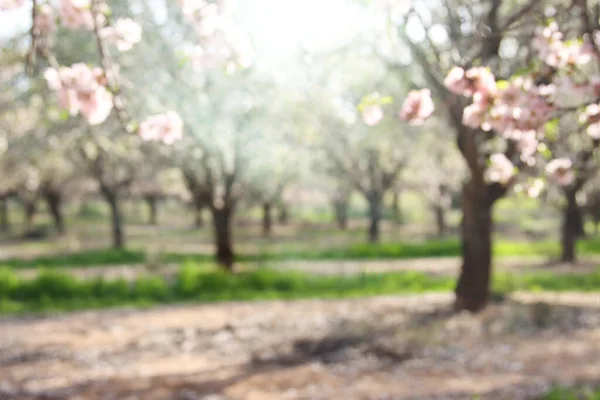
point(573, 394)
point(54, 291)
point(366, 251)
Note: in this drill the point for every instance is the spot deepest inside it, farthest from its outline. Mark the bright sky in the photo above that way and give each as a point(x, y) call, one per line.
point(278, 26)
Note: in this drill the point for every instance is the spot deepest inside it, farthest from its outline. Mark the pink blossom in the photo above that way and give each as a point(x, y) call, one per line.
point(203, 15)
point(6, 5)
point(81, 90)
point(166, 128)
point(534, 189)
point(372, 114)
point(456, 83)
point(475, 115)
point(527, 144)
point(483, 80)
point(471, 81)
point(124, 33)
point(502, 119)
point(511, 96)
point(500, 170)
point(591, 118)
point(560, 170)
point(417, 107)
point(75, 14)
point(44, 20)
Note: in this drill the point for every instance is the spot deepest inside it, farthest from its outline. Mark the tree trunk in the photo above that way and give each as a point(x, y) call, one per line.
point(198, 208)
point(54, 202)
point(396, 210)
point(284, 215)
point(440, 219)
point(572, 228)
point(472, 289)
point(4, 219)
point(224, 247)
point(375, 216)
point(267, 221)
point(118, 239)
point(341, 214)
point(30, 209)
point(152, 203)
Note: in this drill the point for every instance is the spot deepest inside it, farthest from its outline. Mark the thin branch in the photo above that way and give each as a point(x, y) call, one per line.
point(109, 71)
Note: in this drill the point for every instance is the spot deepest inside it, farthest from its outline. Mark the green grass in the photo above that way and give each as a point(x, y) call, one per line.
point(366, 251)
point(59, 291)
point(572, 394)
point(79, 259)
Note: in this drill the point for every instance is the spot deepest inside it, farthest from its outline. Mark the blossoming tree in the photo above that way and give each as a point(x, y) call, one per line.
point(502, 83)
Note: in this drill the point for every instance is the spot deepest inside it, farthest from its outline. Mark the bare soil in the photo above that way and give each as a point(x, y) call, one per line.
point(376, 348)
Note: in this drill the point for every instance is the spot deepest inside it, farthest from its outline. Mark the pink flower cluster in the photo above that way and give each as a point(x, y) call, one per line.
point(166, 128)
point(551, 48)
point(517, 110)
point(417, 107)
point(204, 16)
point(125, 33)
point(501, 169)
point(75, 14)
point(591, 118)
point(221, 42)
point(372, 114)
point(560, 171)
point(82, 90)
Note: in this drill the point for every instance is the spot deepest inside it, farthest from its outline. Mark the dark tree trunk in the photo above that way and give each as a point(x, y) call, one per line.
point(374, 217)
point(340, 209)
point(4, 219)
point(283, 217)
point(267, 220)
point(30, 208)
point(440, 219)
point(472, 289)
point(118, 239)
point(54, 202)
point(198, 220)
point(572, 228)
point(152, 203)
point(396, 209)
point(224, 246)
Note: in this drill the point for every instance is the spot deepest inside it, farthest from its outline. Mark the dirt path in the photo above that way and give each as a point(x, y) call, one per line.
point(376, 348)
point(433, 265)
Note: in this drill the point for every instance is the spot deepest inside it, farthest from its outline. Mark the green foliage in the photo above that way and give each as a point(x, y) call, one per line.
point(91, 211)
point(361, 251)
point(53, 291)
point(561, 393)
point(79, 259)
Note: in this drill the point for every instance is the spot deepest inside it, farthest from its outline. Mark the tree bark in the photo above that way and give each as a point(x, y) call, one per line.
point(30, 208)
point(198, 219)
point(152, 203)
point(267, 223)
point(54, 202)
point(224, 246)
point(396, 210)
point(340, 209)
point(375, 216)
point(4, 218)
point(472, 289)
point(572, 228)
point(118, 238)
point(440, 219)
point(284, 215)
